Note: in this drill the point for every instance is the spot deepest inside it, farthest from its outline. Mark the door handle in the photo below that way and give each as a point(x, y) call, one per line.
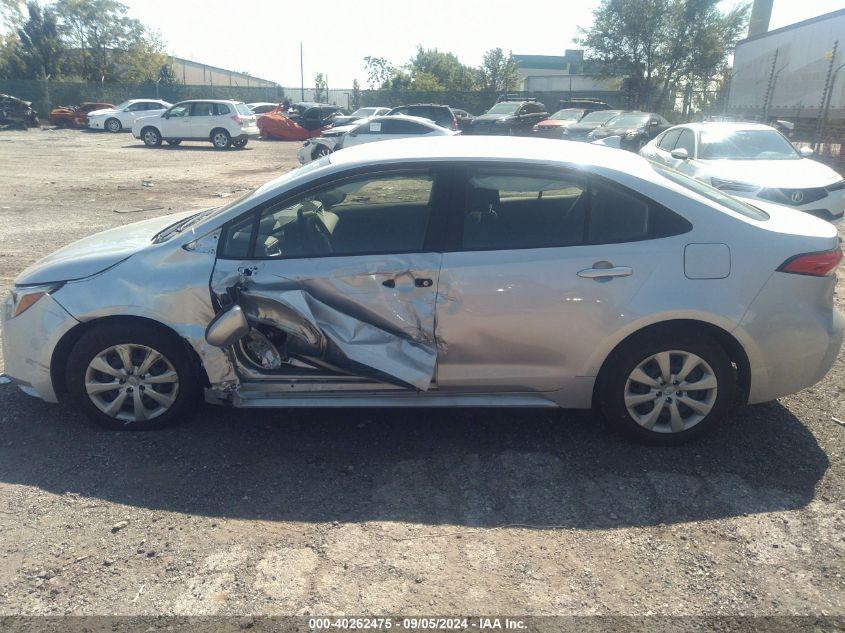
point(389, 283)
point(598, 273)
point(422, 282)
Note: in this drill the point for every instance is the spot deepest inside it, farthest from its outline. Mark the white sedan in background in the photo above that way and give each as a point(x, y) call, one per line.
point(751, 160)
point(123, 116)
point(379, 128)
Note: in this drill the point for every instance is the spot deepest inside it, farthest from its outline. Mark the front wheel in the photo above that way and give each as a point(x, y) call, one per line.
point(668, 388)
point(113, 125)
point(240, 142)
point(221, 139)
point(151, 136)
point(131, 377)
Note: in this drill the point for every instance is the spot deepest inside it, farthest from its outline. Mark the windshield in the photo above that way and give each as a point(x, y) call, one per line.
point(123, 105)
point(746, 145)
point(567, 115)
point(628, 120)
point(711, 193)
point(362, 112)
point(603, 116)
point(503, 108)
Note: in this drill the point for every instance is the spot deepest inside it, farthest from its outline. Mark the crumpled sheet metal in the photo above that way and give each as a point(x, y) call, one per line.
point(390, 330)
point(277, 125)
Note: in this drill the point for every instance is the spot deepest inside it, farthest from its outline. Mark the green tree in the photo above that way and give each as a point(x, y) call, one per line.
point(445, 68)
point(321, 88)
point(11, 64)
point(106, 42)
point(657, 44)
point(41, 49)
point(356, 94)
point(10, 12)
point(499, 71)
point(380, 72)
point(427, 82)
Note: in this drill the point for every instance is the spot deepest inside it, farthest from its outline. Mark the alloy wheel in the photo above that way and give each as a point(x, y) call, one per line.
point(151, 137)
point(671, 391)
point(131, 383)
point(220, 140)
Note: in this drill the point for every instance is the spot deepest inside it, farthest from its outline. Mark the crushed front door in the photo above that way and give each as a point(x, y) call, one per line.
point(362, 314)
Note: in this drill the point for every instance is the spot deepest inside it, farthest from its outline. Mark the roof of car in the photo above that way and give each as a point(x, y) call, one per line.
point(417, 105)
point(211, 101)
point(723, 126)
point(493, 148)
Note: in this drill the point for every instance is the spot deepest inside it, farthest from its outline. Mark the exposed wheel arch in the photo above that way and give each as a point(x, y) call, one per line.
point(736, 352)
point(58, 361)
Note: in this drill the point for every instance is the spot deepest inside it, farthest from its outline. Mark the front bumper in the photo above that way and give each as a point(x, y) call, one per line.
point(832, 206)
point(95, 124)
point(29, 340)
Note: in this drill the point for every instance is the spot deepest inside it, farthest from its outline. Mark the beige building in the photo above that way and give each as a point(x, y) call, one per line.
point(193, 73)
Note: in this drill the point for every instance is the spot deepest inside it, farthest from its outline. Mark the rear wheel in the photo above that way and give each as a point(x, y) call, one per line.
point(240, 142)
point(668, 388)
point(151, 136)
point(113, 125)
point(221, 139)
point(131, 377)
point(174, 142)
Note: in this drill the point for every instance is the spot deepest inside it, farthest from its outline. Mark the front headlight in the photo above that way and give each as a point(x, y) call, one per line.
point(591, 134)
point(731, 185)
point(24, 297)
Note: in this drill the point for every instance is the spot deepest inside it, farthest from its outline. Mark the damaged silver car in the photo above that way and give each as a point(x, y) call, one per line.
point(440, 272)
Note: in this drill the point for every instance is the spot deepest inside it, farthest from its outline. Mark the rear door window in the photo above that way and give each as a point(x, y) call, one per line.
point(202, 108)
point(221, 109)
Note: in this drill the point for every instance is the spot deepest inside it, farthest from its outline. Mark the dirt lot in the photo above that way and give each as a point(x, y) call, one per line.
point(423, 512)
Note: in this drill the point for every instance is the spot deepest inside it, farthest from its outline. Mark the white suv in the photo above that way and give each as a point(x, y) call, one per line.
point(223, 123)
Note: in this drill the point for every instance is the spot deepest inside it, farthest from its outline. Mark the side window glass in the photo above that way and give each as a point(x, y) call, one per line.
point(687, 142)
point(203, 109)
point(618, 215)
point(667, 141)
point(180, 110)
point(220, 109)
point(516, 210)
point(133, 108)
point(377, 214)
point(615, 215)
point(238, 239)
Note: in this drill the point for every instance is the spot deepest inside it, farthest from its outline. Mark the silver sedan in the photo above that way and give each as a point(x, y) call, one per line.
point(440, 272)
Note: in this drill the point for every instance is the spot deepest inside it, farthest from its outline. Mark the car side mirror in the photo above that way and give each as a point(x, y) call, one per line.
point(680, 153)
point(806, 152)
point(227, 328)
point(166, 115)
point(353, 133)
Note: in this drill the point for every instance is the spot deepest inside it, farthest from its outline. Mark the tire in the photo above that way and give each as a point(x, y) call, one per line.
point(240, 143)
point(151, 136)
point(635, 384)
point(175, 142)
point(171, 376)
point(113, 125)
point(221, 139)
point(320, 151)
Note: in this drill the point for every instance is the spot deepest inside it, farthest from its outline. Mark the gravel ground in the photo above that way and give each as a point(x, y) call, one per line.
point(425, 512)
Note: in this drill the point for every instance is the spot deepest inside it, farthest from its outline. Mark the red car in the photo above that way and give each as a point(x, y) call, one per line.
point(553, 126)
point(75, 116)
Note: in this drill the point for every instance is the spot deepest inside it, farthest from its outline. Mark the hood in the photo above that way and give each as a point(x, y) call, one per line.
point(491, 117)
point(616, 131)
point(103, 111)
point(556, 123)
point(95, 253)
point(583, 127)
point(779, 174)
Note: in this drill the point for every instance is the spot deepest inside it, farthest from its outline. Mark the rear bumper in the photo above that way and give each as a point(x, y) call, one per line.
point(794, 335)
point(29, 340)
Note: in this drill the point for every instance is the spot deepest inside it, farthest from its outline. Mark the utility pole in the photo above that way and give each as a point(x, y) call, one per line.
point(301, 75)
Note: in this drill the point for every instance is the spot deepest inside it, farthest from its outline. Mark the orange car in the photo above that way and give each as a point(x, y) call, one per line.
point(75, 116)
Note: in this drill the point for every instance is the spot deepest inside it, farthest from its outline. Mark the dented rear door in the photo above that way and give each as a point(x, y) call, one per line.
point(345, 275)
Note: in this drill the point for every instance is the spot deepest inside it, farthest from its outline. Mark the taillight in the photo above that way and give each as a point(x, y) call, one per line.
point(814, 264)
point(454, 124)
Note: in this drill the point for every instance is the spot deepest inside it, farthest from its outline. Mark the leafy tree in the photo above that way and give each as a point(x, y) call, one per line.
point(445, 69)
point(656, 44)
point(498, 71)
point(425, 81)
point(11, 64)
point(356, 94)
point(321, 88)
point(105, 40)
point(10, 12)
point(379, 71)
point(40, 49)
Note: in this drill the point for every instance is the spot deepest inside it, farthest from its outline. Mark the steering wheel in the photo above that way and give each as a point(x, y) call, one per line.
point(312, 230)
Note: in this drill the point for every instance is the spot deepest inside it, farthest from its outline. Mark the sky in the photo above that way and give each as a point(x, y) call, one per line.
point(262, 37)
